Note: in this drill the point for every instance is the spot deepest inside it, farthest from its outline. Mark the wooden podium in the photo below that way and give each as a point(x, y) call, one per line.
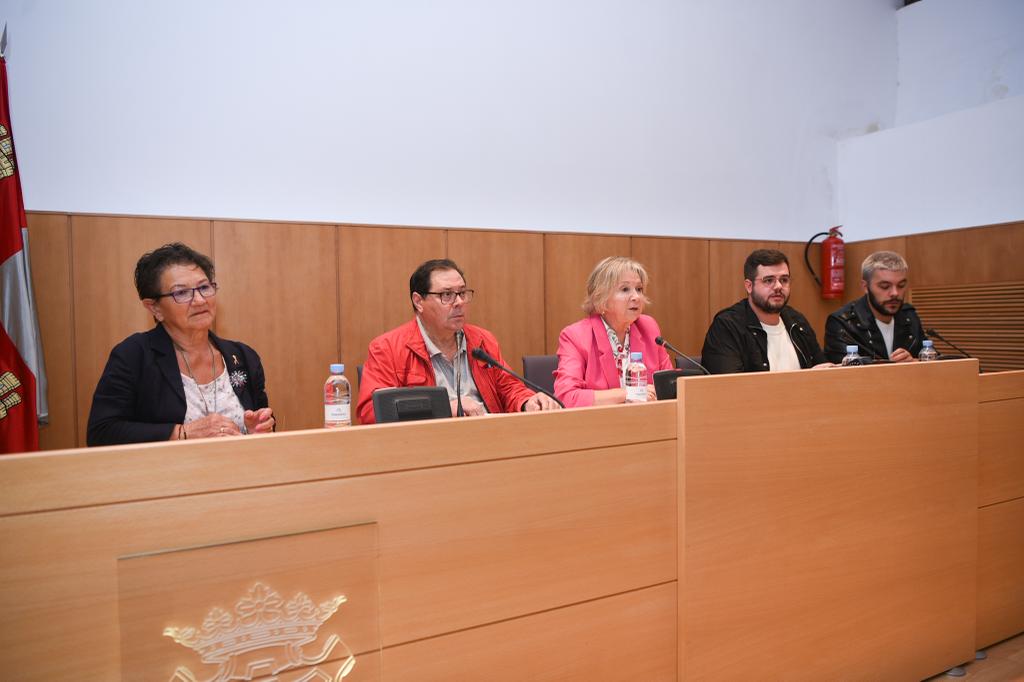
point(817, 524)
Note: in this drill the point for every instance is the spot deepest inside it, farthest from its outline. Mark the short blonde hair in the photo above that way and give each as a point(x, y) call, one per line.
point(882, 260)
point(605, 277)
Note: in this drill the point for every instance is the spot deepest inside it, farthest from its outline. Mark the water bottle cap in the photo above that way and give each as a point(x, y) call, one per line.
point(928, 343)
point(636, 355)
point(851, 349)
point(337, 368)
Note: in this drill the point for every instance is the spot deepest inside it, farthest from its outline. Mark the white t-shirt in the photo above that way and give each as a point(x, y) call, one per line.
point(888, 329)
point(781, 353)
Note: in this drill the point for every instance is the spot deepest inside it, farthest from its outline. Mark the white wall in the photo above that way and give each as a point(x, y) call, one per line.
point(958, 54)
point(956, 157)
point(957, 170)
point(646, 116)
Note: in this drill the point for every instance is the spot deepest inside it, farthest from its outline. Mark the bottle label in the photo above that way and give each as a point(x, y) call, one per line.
point(337, 413)
point(636, 394)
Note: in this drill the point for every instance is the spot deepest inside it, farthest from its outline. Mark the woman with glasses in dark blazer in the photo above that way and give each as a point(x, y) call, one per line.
point(178, 381)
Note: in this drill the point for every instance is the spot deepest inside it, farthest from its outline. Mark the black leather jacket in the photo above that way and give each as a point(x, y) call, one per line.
point(736, 342)
point(854, 323)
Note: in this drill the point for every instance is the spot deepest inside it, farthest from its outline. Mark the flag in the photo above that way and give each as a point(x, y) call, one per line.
point(22, 377)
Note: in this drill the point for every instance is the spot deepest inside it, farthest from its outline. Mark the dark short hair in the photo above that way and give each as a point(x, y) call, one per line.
point(419, 283)
point(151, 266)
point(760, 257)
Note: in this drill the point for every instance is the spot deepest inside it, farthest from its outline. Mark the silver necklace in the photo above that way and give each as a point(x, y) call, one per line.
point(213, 366)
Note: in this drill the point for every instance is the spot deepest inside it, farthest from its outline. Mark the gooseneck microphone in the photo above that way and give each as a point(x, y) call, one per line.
point(662, 342)
point(485, 357)
point(459, 411)
point(940, 337)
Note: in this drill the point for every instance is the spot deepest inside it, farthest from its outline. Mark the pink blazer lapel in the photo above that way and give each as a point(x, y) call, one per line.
point(604, 346)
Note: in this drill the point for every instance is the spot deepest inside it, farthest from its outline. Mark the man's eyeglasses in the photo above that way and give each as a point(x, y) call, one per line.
point(448, 297)
point(770, 280)
point(208, 290)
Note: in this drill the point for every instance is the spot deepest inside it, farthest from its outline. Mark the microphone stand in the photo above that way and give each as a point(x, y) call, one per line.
point(485, 357)
point(459, 411)
point(662, 342)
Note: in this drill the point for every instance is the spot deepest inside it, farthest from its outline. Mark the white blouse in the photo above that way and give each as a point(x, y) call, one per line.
point(216, 396)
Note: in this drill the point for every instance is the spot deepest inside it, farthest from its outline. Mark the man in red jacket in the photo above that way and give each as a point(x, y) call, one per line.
point(431, 348)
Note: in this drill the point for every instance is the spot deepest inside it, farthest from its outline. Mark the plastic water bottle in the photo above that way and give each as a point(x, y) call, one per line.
point(852, 357)
point(636, 379)
point(928, 352)
point(337, 399)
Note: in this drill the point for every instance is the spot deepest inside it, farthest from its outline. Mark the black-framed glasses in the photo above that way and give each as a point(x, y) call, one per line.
point(448, 297)
point(207, 290)
point(770, 280)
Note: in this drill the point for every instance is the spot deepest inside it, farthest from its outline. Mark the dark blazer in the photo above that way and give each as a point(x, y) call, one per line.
point(854, 323)
point(736, 342)
point(140, 396)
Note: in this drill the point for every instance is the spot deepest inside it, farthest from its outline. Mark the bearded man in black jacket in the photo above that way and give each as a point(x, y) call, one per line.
point(879, 323)
point(761, 332)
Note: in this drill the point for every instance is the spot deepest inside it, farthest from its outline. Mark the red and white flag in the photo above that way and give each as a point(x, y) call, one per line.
point(22, 377)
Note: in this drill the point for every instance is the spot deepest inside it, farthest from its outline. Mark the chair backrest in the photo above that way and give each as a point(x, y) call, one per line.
point(540, 369)
point(683, 363)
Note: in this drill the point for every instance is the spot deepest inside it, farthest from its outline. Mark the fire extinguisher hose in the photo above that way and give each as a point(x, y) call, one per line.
point(807, 259)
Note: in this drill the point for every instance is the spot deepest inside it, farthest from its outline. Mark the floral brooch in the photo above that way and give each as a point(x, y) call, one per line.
point(237, 378)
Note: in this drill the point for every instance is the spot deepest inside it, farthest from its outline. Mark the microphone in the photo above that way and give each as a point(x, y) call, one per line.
point(459, 411)
point(940, 337)
point(486, 358)
point(662, 342)
point(846, 336)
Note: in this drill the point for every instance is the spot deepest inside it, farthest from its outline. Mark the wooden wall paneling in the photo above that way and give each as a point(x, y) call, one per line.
point(279, 294)
point(104, 251)
point(1000, 567)
point(568, 261)
point(678, 269)
point(970, 256)
point(985, 320)
point(624, 637)
point(374, 264)
point(856, 252)
point(49, 237)
point(805, 294)
point(725, 271)
point(507, 271)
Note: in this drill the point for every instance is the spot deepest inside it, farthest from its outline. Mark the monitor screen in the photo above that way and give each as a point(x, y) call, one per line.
point(410, 404)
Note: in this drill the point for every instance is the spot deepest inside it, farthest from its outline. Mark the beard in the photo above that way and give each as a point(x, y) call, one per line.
point(880, 308)
point(765, 304)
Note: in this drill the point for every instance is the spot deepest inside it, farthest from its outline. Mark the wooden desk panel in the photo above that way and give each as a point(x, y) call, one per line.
point(829, 520)
point(1001, 498)
point(1000, 571)
point(462, 543)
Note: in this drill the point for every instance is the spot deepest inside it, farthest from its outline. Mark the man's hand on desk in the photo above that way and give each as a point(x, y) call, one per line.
point(539, 401)
point(470, 407)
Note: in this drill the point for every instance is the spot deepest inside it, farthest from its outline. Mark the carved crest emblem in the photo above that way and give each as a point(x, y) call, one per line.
point(6, 153)
point(9, 396)
point(264, 637)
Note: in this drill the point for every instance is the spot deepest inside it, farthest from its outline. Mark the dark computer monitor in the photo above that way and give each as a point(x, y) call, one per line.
point(410, 404)
point(665, 381)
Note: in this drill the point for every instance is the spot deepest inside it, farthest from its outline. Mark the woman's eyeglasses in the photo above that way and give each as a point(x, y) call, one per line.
point(208, 290)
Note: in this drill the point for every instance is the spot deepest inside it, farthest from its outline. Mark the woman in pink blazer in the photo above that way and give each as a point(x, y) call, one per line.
point(593, 352)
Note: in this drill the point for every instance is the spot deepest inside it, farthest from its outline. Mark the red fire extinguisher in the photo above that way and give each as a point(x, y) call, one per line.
point(833, 260)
